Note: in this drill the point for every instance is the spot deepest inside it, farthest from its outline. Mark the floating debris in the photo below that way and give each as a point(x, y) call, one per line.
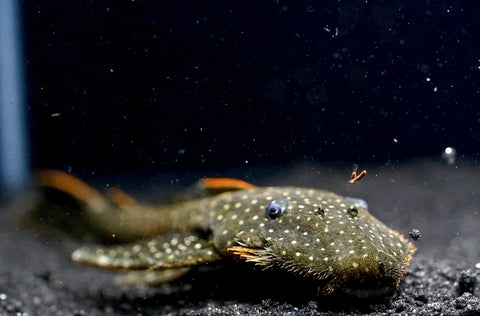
point(355, 178)
point(415, 234)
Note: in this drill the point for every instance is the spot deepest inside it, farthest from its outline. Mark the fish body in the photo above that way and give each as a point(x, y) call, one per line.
point(314, 234)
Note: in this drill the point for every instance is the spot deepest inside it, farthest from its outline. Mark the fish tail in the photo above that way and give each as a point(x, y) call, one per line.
point(63, 203)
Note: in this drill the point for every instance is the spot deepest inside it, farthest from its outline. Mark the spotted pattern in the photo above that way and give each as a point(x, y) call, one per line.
point(319, 235)
point(167, 251)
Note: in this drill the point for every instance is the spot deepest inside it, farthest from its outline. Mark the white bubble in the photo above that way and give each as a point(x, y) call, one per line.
point(449, 155)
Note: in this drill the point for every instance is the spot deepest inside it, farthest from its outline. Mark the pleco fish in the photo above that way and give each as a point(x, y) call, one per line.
point(315, 234)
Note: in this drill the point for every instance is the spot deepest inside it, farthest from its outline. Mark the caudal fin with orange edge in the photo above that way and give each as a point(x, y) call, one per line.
point(73, 186)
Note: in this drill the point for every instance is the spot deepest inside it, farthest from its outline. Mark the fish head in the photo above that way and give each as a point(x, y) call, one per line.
point(320, 235)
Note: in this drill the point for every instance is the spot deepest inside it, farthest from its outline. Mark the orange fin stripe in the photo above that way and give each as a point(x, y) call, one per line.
point(226, 184)
point(71, 185)
point(244, 253)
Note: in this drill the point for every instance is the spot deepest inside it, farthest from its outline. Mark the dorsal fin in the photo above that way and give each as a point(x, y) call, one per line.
point(219, 185)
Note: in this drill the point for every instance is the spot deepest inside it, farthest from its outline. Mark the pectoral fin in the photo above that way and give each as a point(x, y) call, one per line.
point(151, 277)
point(175, 250)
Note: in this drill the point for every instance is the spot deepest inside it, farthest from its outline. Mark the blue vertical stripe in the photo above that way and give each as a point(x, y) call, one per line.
point(13, 158)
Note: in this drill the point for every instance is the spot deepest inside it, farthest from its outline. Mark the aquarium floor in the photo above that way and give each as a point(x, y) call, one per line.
point(37, 276)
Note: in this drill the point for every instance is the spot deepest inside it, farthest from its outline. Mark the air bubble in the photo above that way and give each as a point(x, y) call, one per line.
point(449, 155)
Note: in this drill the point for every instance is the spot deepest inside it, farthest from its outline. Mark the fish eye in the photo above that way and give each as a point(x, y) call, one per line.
point(276, 208)
point(353, 210)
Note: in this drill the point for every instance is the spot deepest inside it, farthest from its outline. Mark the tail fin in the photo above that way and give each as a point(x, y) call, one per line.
point(64, 182)
point(65, 203)
point(70, 205)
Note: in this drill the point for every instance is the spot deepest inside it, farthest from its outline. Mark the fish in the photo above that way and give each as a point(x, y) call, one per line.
point(308, 233)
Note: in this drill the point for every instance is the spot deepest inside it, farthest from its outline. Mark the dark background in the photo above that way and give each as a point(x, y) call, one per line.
point(191, 86)
point(121, 86)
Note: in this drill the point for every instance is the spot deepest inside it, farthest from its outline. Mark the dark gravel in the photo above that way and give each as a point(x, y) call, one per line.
point(442, 201)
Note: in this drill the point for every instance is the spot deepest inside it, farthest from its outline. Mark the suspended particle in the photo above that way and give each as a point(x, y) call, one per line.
point(354, 178)
point(449, 155)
